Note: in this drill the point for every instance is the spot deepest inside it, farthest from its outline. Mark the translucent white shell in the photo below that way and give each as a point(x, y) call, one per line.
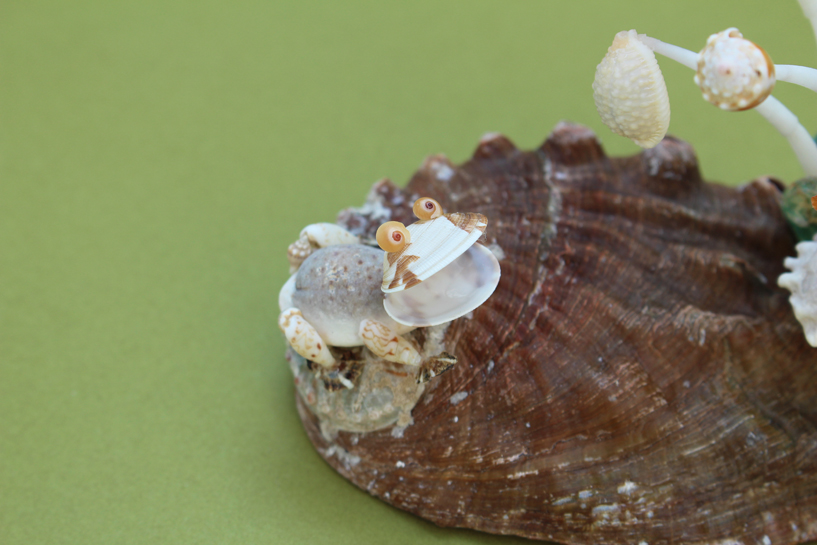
point(457, 289)
point(802, 283)
point(734, 73)
point(434, 244)
point(630, 93)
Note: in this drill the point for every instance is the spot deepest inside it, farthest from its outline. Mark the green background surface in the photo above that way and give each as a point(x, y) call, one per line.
point(156, 158)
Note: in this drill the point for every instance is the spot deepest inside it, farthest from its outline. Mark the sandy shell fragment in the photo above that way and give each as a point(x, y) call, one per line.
point(303, 338)
point(630, 93)
point(733, 73)
point(434, 245)
point(802, 283)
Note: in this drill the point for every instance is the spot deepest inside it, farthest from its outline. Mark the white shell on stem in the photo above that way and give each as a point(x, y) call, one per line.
point(630, 93)
point(802, 283)
point(733, 73)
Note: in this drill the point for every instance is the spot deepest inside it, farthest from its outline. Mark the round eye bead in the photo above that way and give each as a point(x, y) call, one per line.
point(427, 208)
point(393, 236)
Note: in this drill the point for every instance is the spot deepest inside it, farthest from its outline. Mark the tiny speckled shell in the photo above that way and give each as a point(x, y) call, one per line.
point(630, 93)
point(734, 73)
point(802, 283)
point(434, 244)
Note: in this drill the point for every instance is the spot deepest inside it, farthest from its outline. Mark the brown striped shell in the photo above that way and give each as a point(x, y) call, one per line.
point(638, 376)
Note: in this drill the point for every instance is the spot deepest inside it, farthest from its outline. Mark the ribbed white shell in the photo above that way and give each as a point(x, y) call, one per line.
point(802, 283)
point(630, 93)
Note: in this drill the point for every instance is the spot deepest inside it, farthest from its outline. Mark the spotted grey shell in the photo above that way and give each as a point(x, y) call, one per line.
point(637, 376)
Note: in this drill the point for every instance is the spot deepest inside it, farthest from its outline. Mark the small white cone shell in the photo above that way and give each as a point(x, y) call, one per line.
point(434, 244)
point(630, 93)
point(802, 283)
point(303, 338)
point(455, 290)
point(733, 73)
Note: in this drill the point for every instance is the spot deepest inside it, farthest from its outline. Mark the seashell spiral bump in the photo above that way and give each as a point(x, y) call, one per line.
point(638, 376)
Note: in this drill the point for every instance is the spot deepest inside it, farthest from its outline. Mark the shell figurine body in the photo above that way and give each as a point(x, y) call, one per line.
point(637, 376)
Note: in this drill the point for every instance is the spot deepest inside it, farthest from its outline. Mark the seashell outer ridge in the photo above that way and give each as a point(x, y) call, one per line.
point(637, 376)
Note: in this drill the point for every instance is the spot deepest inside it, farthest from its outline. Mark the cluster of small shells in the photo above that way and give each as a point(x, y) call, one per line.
point(734, 73)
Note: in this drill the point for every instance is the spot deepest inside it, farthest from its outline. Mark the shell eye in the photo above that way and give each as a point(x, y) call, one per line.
point(392, 236)
point(427, 208)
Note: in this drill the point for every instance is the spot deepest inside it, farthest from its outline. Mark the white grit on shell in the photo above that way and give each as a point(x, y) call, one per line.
point(630, 93)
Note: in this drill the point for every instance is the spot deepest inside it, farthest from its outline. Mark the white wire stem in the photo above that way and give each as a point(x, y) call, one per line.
point(786, 122)
point(679, 54)
point(810, 11)
point(772, 109)
point(800, 75)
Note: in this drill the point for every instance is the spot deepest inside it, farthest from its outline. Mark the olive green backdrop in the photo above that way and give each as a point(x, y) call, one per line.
point(156, 158)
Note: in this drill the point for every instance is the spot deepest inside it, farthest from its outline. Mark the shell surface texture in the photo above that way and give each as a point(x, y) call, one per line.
point(637, 377)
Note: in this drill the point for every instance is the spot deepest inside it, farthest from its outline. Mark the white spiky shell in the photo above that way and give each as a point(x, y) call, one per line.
point(630, 93)
point(733, 73)
point(802, 283)
point(434, 244)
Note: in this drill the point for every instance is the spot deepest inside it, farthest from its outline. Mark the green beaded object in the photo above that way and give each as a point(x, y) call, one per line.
point(797, 207)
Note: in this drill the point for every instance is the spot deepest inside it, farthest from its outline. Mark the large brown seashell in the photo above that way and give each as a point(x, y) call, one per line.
point(637, 377)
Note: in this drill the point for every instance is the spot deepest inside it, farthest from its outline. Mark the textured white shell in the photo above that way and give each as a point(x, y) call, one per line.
point(630, 93)
point(455, 290)
point(303, 338)
point(802, 283)
point(734, 73)
point(434, 244)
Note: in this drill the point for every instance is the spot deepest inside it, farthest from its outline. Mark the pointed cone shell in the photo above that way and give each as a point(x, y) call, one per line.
point(456, 290)
point(434, 244)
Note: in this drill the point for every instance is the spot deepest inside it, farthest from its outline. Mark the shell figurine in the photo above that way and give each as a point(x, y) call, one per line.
point(634, 375)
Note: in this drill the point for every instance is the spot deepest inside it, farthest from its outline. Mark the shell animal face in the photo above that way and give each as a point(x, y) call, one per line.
point(636, 377)
point(442, 273)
